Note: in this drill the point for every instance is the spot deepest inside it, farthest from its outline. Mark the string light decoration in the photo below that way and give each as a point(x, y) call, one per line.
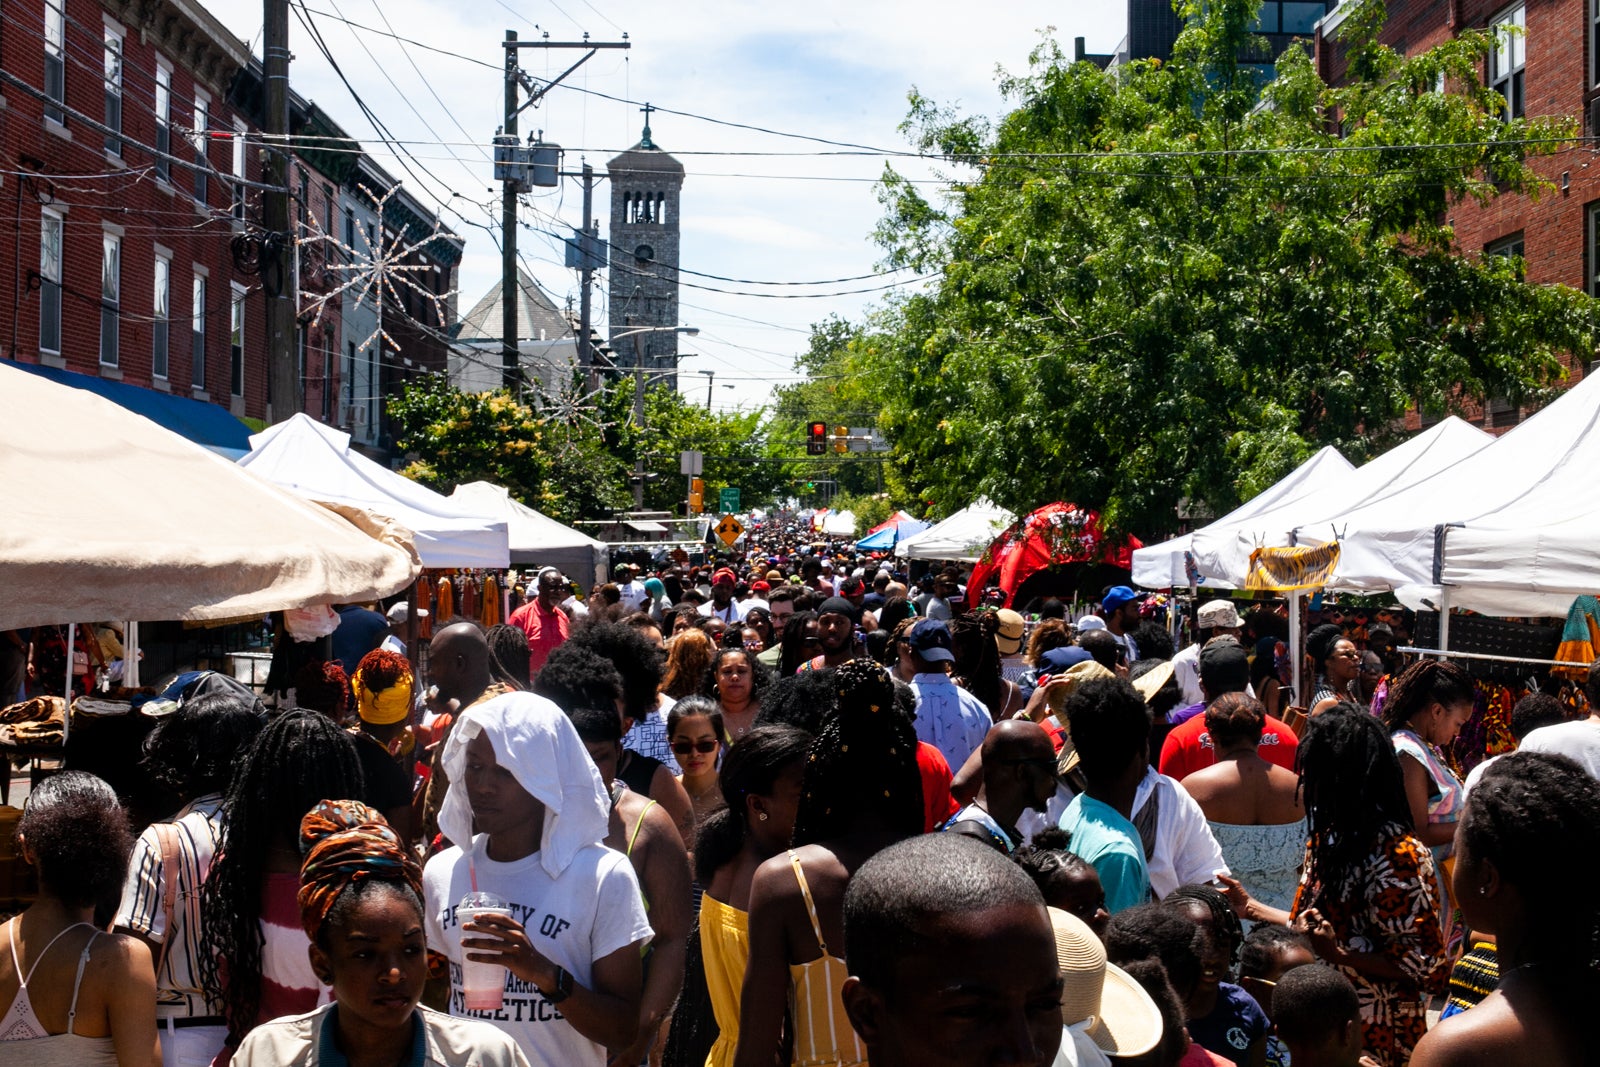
point(378, 271)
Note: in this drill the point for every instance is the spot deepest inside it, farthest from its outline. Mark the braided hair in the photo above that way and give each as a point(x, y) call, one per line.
point(1224, 922)
point(977, 664)
point(751, 767)
point(508, 656)
point(1425, 682)
point(298, 760)
point(1352, 789)
point(863, 762)
point(1527, 808)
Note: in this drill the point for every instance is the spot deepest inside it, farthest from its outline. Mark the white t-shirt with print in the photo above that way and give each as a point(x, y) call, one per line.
point(590, 911)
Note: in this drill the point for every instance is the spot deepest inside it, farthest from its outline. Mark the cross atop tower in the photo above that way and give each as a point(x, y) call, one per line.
point(648, 109)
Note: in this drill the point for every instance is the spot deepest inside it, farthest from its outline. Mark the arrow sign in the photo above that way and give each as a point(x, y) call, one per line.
point(729, 530)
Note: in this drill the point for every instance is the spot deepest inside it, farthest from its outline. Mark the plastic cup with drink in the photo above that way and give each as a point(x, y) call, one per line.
point(483, 985)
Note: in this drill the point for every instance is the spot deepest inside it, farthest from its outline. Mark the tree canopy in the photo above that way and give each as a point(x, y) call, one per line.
point(1172, 283)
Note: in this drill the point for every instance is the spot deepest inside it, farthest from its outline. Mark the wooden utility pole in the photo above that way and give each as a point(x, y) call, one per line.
point(278, 280)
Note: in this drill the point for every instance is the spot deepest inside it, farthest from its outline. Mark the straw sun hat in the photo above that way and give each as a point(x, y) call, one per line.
point(1126, 1021)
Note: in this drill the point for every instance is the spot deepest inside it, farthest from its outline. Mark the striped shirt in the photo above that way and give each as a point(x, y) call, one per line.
point(178, 990)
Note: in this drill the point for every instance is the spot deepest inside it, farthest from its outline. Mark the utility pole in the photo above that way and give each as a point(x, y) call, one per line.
point(510, 365)
point(515, 80)
point(711, 376)
point(277, 266)
point(586, 280)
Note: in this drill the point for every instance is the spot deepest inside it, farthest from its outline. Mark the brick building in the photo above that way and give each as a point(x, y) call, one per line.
point(1551, 69)
point(121, 258)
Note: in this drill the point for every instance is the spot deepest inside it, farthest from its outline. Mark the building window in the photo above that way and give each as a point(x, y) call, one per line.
point(327, 210)
point(1508, 246)
point(110, 298)
point(163, 122)
point(50, 231)
point(197, 137)
point(159, 316)
point(1594, 43)
point(1506, 60)
point(236, 342)
point(350, 377)
point(113, 88)
point(55, 60)
point(238, 169)
point(349, 230)
point(327, 379)
point(197, 332)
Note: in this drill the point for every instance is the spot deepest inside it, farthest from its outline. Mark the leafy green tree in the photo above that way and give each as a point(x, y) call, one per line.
point(1169, 282)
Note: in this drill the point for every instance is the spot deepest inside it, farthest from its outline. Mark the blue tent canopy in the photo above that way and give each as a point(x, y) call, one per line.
point(889, 536)
point(205, 424)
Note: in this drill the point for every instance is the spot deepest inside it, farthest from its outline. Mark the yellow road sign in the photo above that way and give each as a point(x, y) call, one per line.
point(729, 530)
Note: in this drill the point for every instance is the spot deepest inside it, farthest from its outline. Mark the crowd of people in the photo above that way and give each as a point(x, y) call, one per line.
point(795, 808)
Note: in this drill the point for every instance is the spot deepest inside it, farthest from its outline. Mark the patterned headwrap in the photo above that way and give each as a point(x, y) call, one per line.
point(346, 842)
point(382, 687)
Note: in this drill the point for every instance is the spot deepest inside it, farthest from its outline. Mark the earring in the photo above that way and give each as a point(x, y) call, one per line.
point(762, 816)
point(1483, 890)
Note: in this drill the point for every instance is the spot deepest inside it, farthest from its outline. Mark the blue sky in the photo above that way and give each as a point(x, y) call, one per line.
point(791, 212)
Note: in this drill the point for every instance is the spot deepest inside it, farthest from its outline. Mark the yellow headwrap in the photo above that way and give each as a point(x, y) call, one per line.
point(391, 704)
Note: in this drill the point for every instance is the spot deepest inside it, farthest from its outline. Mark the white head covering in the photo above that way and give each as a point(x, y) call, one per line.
point(538, 744)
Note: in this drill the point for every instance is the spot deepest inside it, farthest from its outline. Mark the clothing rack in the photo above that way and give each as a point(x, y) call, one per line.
point(1451, 654)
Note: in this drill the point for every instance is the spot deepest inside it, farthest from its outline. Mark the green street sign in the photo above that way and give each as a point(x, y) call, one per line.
point(729, 499)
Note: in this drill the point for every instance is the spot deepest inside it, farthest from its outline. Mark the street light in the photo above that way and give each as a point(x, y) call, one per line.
point(711, 376)
point(638, 393)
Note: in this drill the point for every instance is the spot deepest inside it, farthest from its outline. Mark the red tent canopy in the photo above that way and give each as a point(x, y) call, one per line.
point(893, 520)
point(1054, 534)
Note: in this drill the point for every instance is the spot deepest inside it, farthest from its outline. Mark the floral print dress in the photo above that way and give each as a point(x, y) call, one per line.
point(1387, 907)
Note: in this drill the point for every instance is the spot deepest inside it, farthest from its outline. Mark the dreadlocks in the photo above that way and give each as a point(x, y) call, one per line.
point(508, 656)
point(1428, 681)
point(977, 665)
point(300, 759)
point(1352, 789)
point(863, 763)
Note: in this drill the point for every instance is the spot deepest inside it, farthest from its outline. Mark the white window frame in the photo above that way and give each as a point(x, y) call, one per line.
point(113, 59)
point(51, 223)
point(237, 163)
point(200, 128)
point(198, 293)
point(110, 296)
point(236, 382)
point(1508, 59)
point(55, 60)
point(163, 111)
point(161, 315)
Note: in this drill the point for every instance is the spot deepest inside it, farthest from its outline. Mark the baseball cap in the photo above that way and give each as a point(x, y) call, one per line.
point(1009, 635)
point(1091, 622)
point(1063, 659)
point(930, 639)
point(724, 574)
point(400, 611)
point(760, 587)
point(1117, 596)
point(1224, 667)
point(1219, 615)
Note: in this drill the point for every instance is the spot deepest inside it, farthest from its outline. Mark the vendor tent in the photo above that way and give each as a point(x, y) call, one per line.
point(1328, 513)
point(1507, 530)
point(839, 523)
point(317, 462)
point(109, 516)
point(963, 536)
point(535, 538)
point(1053, 535)
point(886, 535)
point(1163, 566)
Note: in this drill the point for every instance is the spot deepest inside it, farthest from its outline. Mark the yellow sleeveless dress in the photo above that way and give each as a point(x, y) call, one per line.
point(725, 949)
point(823, 1036)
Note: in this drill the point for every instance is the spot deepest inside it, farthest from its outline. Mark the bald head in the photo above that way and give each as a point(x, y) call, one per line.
point(1016, 739)
point(458, 662)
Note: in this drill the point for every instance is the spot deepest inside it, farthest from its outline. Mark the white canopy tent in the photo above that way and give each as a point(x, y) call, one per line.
point(317, 462)
point(1507, 530)
point(839, 523)
point(536, 538)
point(1161, 566)
point(110, 516)
point(964, 536)
point(1332, 512)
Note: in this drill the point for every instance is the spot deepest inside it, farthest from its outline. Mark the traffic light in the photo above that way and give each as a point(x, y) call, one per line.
point(841, 438)
point(817, 439)
point(697, 489)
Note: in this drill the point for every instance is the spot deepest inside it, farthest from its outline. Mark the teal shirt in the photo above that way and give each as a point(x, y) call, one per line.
point(1110, 844)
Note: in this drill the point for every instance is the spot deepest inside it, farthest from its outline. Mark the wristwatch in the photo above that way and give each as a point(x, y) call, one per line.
point(563, 988)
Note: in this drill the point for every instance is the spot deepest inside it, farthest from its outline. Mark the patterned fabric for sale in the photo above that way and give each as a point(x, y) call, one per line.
point(1389, 907)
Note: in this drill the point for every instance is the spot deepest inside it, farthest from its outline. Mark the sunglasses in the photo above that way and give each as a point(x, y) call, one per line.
point(683, 748)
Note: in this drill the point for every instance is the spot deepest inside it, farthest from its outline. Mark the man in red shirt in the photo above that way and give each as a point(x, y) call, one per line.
point(542, 619)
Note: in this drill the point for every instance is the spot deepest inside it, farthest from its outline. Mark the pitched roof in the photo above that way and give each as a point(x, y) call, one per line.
point(644, 156)
point(538, 318)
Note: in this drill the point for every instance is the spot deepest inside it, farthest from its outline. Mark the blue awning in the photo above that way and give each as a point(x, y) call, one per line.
point(205, 424)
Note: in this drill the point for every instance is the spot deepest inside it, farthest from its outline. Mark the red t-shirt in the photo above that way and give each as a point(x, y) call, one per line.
point(1188, 747)
point(937, 803)
point(546, 631)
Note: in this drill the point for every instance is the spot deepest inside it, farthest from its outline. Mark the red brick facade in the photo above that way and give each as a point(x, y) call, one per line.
point(1556, 231)
point(65, 170)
